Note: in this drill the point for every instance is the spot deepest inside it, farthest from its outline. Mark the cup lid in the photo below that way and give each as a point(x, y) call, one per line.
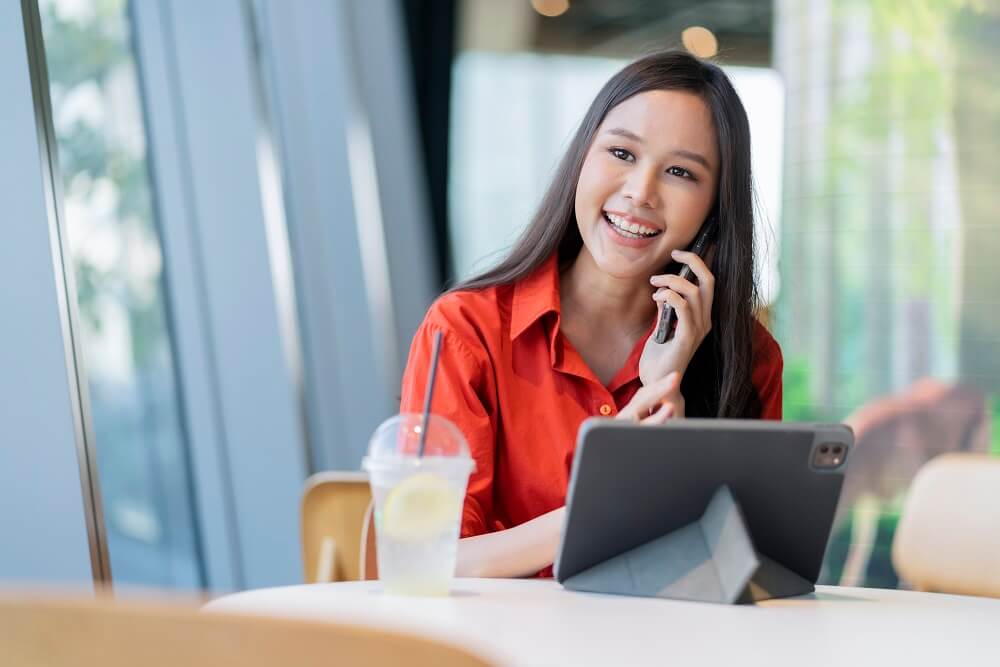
point(399, 437)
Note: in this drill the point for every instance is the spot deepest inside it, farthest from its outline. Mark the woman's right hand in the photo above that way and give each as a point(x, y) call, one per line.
point(525, 549)
point(656, 402)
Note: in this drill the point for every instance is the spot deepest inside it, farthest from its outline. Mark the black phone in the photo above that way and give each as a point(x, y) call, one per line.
point(668, 317)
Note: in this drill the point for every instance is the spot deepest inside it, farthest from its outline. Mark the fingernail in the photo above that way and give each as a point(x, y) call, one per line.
point(675, 253)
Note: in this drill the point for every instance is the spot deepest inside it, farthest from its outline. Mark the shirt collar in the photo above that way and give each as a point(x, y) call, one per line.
point(535, 296)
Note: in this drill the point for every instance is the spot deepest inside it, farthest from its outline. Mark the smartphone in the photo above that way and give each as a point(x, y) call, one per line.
point(668, 317)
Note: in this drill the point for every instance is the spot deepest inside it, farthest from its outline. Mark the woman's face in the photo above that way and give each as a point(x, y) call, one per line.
point(648, 182)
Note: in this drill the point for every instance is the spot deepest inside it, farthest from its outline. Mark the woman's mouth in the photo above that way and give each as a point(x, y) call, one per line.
point(626, 229)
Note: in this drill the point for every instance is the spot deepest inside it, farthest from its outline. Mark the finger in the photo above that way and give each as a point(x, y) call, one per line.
point(706, 283)
point(692, 309)
point(678, 302)
point(654, 393)
point(677, 284)
point(698, 266)
point(661, 416)
point(650, 396)
point(692, 295)
point(662, 279)
point(700, 295)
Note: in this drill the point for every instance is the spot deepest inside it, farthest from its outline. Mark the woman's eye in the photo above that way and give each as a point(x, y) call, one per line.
point(622, 154)
point(681, 172)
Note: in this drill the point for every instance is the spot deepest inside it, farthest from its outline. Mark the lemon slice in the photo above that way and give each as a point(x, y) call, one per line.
point(420, 507)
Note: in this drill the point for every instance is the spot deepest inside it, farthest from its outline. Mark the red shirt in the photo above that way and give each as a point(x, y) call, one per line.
point(518, 390)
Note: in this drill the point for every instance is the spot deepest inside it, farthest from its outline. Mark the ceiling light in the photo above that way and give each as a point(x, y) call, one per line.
point(700, 41)
point(550, 8)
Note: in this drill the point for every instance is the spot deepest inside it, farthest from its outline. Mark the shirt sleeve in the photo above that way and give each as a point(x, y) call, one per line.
point(464, 393)
point(768, 366)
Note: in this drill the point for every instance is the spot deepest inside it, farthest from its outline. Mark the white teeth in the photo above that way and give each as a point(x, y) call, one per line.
point(632, 227)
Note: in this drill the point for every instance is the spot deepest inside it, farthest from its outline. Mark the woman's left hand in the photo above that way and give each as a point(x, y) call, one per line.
point(693, 305)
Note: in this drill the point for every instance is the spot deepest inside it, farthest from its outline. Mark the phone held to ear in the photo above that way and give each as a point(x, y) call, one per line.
point(668, 316)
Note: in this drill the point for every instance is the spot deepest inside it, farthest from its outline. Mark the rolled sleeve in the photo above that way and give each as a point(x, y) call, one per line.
point(463, 393)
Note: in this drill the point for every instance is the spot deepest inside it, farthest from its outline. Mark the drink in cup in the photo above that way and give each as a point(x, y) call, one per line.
point(418, 501)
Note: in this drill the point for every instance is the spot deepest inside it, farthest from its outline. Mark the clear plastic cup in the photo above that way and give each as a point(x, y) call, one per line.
point(418, 502)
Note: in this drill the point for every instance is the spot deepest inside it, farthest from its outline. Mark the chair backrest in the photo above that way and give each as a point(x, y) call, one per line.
point(948, 538)
point(334, 506)
point(96, 633)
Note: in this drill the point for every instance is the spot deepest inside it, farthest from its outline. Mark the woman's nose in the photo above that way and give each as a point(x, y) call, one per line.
point(641, 188)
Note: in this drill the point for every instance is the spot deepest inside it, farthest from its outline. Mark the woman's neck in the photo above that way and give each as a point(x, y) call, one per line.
point(588, 294)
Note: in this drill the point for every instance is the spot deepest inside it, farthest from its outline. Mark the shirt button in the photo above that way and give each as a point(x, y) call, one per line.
point(605, 409)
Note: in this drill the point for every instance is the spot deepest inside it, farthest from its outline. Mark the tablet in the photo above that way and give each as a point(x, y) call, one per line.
point(631, 484)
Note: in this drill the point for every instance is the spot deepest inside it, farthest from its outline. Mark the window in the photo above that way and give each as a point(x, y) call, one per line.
point(872, 127)
point(142, 457)
point(887, 315)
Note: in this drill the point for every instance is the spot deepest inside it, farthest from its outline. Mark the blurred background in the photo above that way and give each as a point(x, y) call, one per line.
point(251, 203)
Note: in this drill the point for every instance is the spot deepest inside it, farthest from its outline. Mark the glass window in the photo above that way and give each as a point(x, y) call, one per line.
point(872, 127)
point(142, 458)
point(887, 315)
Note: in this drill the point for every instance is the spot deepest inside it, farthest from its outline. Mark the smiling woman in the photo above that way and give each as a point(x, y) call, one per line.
point(659, 187)
point(561, 329)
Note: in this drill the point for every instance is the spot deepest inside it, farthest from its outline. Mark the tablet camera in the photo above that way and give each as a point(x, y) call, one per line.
point(829, 455)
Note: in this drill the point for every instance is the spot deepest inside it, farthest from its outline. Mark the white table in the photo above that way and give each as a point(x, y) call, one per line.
point(537, 622)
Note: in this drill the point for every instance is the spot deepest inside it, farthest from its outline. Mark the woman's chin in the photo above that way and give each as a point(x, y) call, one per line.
point(625, 263)
point(624, 268)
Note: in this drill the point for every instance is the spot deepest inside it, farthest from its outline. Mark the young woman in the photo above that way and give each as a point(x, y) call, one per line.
point(561, 330)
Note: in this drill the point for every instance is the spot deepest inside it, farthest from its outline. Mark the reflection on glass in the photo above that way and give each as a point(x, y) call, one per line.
point(885, 209)
point(887, 314)
point(140, 441)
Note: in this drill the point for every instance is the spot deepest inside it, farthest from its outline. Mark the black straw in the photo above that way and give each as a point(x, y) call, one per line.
point(430, 392)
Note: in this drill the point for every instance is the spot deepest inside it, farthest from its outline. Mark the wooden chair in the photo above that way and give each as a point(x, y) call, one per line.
point(896, 435)
point(335, 509)
point(101, 633)
point(948, 538)
point(332, 547)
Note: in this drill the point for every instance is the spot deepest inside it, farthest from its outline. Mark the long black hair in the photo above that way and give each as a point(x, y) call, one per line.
point(718, 379)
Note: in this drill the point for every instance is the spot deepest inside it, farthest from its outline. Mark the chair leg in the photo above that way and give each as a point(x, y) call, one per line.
point(326, 568)
point(864, 530)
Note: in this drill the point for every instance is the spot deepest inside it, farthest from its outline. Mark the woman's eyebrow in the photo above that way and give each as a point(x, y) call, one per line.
point(691, 155)
point(622, 132)
point(679, 152)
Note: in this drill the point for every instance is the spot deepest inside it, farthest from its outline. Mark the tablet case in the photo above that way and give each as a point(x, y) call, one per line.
point(728, 511)
point(710, 560)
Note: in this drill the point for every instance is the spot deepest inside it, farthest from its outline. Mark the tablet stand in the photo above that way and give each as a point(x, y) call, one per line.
point(710, 560)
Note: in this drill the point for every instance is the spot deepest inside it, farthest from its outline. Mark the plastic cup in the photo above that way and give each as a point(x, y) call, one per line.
point(418, 502)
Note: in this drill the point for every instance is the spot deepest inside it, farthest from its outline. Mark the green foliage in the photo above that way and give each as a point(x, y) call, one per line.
point(81, 50)
point(797, 401)
point(90, 65)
